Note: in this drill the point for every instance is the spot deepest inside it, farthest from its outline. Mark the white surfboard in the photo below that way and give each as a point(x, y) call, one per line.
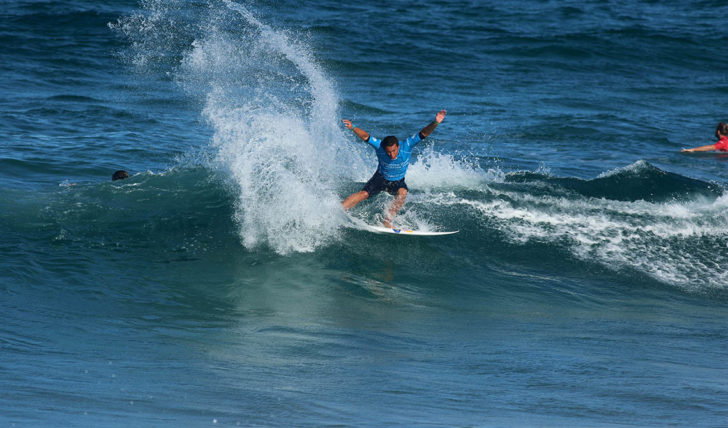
point(396, 231)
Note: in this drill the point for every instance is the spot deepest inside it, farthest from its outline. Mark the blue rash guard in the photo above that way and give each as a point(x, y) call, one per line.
point(394, 169)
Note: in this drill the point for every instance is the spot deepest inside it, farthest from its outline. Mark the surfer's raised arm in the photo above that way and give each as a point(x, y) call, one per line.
point(427, 130)
point(364, 135)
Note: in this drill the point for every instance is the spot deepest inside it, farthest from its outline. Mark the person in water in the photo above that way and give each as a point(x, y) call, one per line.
point(393, 162)
point(721, 133)
point(119, 175)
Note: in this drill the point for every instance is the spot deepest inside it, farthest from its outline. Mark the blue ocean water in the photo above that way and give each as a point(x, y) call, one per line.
point(222, 285)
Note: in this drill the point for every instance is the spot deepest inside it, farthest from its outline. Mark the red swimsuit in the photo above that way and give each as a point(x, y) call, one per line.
point(722, 144)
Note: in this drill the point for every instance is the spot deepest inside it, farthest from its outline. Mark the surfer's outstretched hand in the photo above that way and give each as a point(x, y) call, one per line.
point(440, 116)
point(364, 135)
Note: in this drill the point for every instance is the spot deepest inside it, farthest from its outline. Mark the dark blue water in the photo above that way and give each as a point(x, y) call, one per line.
point(221, 284)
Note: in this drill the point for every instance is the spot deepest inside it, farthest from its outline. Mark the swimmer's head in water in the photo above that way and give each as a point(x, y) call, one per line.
point(119, 175)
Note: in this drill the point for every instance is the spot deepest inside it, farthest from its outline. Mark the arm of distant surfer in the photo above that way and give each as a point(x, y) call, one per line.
point(427, 130)
point(364, 135)
point(707, 148)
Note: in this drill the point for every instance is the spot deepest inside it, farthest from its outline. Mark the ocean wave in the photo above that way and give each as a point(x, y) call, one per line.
point(189, 211)
point(680, 241)
point(286, 164)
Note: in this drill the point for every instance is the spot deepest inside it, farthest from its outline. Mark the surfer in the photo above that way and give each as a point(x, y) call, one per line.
point(721, 133)
point(393, 162)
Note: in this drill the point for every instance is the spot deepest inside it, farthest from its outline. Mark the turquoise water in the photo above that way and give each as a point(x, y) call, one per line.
point(222, 285)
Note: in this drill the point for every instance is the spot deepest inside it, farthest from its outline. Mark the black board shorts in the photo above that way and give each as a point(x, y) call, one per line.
point(377, 184)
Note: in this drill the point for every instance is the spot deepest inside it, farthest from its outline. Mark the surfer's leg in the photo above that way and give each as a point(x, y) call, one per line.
point(395, 206)
point(354, 199)
point(373, 186)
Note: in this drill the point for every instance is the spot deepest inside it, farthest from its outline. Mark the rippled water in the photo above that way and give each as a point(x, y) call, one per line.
point(222, 284)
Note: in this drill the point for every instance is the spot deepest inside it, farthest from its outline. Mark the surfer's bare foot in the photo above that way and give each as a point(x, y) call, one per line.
point(387, 224)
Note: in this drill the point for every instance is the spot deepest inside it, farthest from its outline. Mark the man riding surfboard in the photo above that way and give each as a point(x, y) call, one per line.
point(393, 163)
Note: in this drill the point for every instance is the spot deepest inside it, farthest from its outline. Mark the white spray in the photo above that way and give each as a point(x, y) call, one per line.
point(275, 121)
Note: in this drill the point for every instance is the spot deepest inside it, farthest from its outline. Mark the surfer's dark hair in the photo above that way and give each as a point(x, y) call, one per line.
point(119, 175)
point(390, 141)
point(721, 129)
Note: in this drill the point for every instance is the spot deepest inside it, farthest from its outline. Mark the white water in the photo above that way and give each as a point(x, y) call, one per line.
point(280, 150)
point(684, 244)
